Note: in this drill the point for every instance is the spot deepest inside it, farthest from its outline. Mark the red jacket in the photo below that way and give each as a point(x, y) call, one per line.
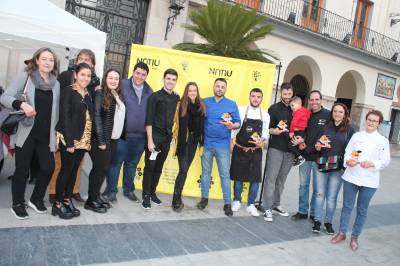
point(300, 119)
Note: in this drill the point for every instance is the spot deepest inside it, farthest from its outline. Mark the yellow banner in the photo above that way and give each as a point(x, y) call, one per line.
point(241, 75)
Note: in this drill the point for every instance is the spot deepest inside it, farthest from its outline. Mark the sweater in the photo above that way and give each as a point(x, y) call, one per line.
point(374, 147)
point(299, 120)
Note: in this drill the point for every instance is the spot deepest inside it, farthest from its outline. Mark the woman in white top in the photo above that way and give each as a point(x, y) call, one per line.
point(109, 116)
point(366, 155)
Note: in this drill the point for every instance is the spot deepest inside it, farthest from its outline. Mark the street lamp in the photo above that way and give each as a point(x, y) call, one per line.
point(174, 10)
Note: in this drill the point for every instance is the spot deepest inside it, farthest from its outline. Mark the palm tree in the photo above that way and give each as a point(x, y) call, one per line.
point(229, 30)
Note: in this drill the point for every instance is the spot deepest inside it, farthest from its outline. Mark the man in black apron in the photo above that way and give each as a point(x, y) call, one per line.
point(247, 151)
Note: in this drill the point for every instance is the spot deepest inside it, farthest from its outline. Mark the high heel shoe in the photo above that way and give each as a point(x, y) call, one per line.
point(61, 210)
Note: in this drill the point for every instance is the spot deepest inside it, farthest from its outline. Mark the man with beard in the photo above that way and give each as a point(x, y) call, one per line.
point(308, 170)
point(222, 116)
point(279, 159)
point(247, 151)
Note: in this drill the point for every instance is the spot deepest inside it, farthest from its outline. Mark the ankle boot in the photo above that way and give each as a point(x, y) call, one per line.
point(95, 206)
point(61, 210)
point(70, 204)
point(177, 204)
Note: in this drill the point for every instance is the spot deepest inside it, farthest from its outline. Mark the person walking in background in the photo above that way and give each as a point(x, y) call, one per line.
point(188, 134)
point(279, 159)
point(222, 116)
point(366, 155)
point(130, 147)
point(247, 151)
point(308, 170)
point(161, 109)
point(109, 116)
point(331, 146)
point(66, 78)
point(36, 92)
point(74, 130)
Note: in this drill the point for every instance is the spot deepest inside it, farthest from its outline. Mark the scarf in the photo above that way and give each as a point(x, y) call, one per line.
point(40, 83)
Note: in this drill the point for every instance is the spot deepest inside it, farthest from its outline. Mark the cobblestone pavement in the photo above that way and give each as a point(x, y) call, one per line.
point(129, 235)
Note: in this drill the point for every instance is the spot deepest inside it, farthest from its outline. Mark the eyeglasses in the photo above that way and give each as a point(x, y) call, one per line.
point(373, 121)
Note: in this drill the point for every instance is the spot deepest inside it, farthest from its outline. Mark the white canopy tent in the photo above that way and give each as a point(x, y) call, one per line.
point(26, 25)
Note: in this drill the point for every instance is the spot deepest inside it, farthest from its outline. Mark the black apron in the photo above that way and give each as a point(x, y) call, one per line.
point(246, 165)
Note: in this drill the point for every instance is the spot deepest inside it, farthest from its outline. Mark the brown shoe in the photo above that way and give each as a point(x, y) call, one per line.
point(77, 197)
point(339, 237)
point(354, 243)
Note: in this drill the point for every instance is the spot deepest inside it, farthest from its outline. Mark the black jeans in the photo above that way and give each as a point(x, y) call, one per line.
point(23, 158)
point(184, 161)
point(69, 167)
point(153, 168)
point(101, 162)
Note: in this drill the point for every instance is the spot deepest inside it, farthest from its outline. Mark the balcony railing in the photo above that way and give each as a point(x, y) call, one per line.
point(305, 15)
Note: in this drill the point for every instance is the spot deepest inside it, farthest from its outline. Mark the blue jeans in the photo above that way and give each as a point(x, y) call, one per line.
point(328, 186)
point(223, 157)
point(128, 152)
point(307, 171)
point(365, 195)
point(238, 189)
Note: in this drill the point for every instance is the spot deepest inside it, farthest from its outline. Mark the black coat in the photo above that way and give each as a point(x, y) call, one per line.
point(103, 119)
point(72, 119)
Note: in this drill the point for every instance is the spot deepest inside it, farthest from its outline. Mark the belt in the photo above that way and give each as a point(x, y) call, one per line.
point(247, 149)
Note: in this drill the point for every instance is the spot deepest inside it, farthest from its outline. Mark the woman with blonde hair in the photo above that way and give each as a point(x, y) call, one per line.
point(36, 93)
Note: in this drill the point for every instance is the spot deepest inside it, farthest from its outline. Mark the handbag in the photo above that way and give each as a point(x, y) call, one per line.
point(330, 163)
point(10, 123)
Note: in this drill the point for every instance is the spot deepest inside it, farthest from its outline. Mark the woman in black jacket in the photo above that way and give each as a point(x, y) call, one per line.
point(74, 132)
point(188, 134)
point(331, 146)
point(109, 116)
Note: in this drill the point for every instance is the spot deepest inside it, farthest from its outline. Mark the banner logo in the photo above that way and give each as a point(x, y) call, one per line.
point(219, 72)
point(256, 75)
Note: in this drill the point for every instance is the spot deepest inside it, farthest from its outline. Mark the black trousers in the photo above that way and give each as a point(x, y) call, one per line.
point(23, 158)
point(69, 167)
point(101, 162)
point(295, 149)
point(153, 168)
point(184, 161)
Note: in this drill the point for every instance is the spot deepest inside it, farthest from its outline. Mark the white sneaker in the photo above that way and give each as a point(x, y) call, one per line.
point(268, 216)
point(279, 210)
point(236, 205)
point(252, 210)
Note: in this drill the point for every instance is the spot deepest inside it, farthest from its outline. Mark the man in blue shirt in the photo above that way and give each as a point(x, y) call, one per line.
point(222, 116)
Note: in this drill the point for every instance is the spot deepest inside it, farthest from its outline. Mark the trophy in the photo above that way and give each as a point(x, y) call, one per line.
point(282, 125)
point(226, 117)
point(324, 141)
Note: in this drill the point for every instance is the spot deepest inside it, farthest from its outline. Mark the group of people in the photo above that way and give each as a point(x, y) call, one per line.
point(116, 121)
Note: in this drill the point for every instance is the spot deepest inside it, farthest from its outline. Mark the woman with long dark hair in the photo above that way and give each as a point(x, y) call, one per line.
point(188, 133)
point(331, 146)
point(109, 116)
point(36, 92)
point(74, 133)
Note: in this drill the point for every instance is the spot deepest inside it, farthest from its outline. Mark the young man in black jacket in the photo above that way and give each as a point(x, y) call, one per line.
point(160, 113)
point(308, 170)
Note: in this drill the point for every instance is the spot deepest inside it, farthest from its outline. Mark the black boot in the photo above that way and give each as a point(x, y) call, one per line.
point(61, 210)
point(177, 204)
point(70, 204)
point(94, 205)
point(202, 204)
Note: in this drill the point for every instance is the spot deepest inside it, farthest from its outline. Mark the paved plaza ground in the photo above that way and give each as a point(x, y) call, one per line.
point(129, 235)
